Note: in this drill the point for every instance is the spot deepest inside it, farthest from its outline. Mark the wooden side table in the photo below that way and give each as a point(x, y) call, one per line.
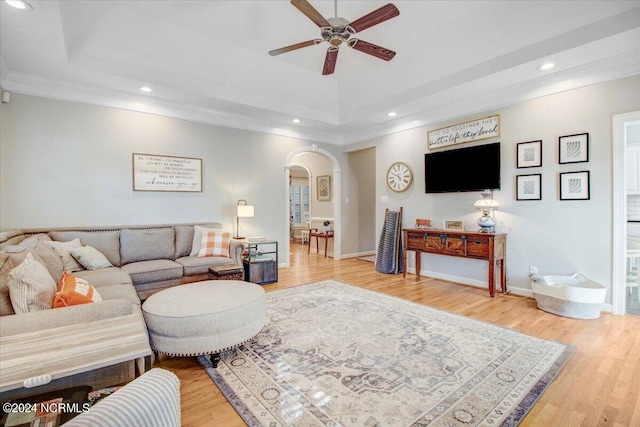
point(326, 236)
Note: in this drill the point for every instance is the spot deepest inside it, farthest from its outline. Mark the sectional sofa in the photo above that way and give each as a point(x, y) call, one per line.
point(145, 259)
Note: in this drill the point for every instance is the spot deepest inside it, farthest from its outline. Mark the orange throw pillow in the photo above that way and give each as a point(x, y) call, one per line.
point(73, 290)
point(215, 243)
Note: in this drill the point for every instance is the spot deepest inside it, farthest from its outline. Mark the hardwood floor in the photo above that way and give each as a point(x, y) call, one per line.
point(599, 385)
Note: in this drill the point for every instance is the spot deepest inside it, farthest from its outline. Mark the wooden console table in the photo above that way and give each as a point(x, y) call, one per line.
point(465, 244)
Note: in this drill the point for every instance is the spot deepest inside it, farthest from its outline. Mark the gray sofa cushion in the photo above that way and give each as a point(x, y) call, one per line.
point(115, 292)
point(200, 265)
point(105, 277)
point(111, 283)
point(145, 290)
point(153, 271)
point(184, 240)
point(107, 242)
point(146, 244)
point(57, 317)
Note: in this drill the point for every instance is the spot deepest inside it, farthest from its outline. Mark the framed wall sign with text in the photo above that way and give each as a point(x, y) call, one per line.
point(153, 172)
point(475, 130)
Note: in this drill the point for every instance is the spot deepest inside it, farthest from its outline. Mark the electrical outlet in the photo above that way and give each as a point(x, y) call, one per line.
point(533, 269)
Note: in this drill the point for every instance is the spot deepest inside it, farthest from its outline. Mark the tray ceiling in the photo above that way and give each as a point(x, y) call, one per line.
point(207, 60)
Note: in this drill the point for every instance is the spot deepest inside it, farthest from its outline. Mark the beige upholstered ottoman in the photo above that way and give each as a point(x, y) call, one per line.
point(204, 317)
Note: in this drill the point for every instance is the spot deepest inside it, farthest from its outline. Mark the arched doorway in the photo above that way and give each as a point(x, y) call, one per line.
point(335, 190)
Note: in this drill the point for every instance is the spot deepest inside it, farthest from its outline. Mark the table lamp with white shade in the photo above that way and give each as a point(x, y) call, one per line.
point(487, 205)
point(244, 211)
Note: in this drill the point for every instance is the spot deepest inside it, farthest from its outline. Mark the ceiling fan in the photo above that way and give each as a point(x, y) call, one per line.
point(337, 30)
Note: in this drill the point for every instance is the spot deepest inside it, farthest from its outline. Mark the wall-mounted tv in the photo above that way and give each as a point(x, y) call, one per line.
point(465, 169)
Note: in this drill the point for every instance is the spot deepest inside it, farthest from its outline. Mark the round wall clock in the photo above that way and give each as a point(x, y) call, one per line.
point(399, 177)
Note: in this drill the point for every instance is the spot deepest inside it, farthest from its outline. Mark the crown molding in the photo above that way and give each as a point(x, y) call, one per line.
point(492, 99)
point(99, 96)
point(450, 105)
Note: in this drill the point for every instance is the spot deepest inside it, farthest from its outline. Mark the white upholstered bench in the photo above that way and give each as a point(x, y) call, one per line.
point(204, 317)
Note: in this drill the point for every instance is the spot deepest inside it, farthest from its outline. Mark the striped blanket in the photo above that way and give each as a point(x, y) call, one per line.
point(389, 259)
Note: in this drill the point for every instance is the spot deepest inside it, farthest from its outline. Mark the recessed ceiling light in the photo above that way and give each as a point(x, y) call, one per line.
point(18, 4)
point(546, 66)
point(146, 89)
point(296, 120)
point(392, 114)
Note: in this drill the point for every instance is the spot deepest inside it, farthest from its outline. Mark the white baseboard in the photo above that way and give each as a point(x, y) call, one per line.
point(482, 284)
point(358, 254)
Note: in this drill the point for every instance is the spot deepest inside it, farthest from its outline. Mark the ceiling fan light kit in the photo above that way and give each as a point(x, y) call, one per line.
point(337, 30)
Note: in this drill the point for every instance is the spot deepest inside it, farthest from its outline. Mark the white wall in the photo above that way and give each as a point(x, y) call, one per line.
point(69, 164)
point(361, 209)
point(560, 237)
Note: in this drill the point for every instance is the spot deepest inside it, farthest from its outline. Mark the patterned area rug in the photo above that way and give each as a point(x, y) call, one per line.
point(336, 355)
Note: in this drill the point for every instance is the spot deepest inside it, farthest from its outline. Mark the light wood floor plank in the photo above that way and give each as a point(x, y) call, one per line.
point(599, 385)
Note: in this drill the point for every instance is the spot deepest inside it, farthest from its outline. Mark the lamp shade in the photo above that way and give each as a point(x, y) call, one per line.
point(245, 211)
point(486, 205)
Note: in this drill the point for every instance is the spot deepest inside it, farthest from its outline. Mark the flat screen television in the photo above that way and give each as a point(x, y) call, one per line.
point(464, 169)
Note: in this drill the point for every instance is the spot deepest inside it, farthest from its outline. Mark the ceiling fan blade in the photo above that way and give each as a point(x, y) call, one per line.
point(372, 49)
point(377, 16)
point(294, 47)
point(330, 60)
point(304, 7)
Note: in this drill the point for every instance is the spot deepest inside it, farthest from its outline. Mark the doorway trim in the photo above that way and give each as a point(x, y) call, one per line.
point(619, 231)
point(337, 198)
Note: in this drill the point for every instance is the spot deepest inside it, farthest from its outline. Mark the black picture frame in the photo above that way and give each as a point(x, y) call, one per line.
point(575, 185)
point(529, 187)
point(573, 148)
point(529, 154)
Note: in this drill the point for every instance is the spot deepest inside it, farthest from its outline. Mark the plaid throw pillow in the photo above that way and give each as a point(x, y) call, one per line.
point(214, 243)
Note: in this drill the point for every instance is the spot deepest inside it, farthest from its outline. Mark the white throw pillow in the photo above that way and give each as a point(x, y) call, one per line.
point(64, 251)
point(31, 287)
point(90, 258)
point(197, 238)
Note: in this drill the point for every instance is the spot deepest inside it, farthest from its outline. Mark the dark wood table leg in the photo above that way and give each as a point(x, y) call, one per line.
point(503, 276)
point(492, 278)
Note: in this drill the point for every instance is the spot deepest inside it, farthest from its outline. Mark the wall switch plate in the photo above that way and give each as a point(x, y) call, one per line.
point(384, 199)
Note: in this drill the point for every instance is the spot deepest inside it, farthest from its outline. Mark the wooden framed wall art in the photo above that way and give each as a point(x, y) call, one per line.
point(153, 172)
point(323, 187)
point(474, 130)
